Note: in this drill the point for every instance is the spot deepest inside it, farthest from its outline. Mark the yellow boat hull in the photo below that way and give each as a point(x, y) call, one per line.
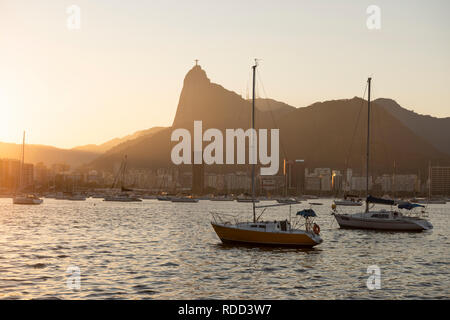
point(262, 238)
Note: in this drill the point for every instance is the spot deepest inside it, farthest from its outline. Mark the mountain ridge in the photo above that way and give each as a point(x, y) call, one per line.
point(322, 133)
point(106, 146)
point(328, 133)
point(49, 155)
point(433, 129)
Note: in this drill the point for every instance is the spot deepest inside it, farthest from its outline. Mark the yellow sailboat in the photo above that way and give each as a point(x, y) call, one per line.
point(266, 233)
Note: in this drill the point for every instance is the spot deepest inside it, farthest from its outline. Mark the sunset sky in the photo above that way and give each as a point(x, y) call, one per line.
point(123, 70)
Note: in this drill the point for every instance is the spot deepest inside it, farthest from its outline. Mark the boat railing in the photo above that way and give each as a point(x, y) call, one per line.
point(224, 218)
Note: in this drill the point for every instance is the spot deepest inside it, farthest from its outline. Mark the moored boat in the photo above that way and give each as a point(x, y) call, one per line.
point(265, 233)
point(23, 198)
point(184, 199)
point(431, 201)
point(247, 200)
point(385, 220)
point(164, 198)
point(288, 200)
point(221, 199)
point(123, 197)
point(348, 203)
point(268, 233)
point(27, 199)
point(75, 197)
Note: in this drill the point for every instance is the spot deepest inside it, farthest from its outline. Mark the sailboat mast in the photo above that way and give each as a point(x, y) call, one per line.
point(369, 81)
point(123, 173)
point(253, 127)
point(429, 181)
point(22, 162)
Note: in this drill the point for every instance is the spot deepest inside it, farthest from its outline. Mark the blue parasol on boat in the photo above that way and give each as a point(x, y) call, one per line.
point(306, 213)
point(409, 206)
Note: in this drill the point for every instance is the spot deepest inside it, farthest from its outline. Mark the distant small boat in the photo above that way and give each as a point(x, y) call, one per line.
point(76, 197)
point(119, 181)
point(427, 201)
point(148, 197)
point(348, 203)
point(221, 199)
point(247, 200)
point(184, 199)
point(288, 200)
point(123, 197)
point(27, 199)
point(97, 196)
point(59, 196)
point(164, 198)
point(309, 197)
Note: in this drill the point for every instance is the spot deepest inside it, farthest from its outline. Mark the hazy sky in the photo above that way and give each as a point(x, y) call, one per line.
point(123, 70)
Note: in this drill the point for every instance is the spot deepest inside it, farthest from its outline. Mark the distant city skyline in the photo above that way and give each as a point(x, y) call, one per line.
point(123, 70)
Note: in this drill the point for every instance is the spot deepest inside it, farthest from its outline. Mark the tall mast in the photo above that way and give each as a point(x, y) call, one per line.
point(429, 181)
point(22, 162)
point(123, 173)
point(369, 81)
point(393, 183)
point(253, 139)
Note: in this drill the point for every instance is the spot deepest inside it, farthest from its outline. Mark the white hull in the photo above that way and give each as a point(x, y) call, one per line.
point(367, 221)
point(288, 201)
point(76, 198)
point(247, 200)
point(432, 202)
point(348, 203)
point(164, 198)
point(25, 200)
point(187, 200)
point(122, 199)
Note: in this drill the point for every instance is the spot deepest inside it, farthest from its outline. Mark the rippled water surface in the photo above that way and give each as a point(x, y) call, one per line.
point(164, 250)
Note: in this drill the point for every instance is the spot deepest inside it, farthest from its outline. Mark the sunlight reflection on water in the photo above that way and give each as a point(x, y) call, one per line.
point(164, 250)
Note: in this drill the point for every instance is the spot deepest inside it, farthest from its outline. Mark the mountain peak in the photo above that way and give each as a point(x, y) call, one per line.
point(196, 75)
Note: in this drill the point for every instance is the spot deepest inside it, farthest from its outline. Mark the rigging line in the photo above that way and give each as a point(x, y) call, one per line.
point(356, 127)
point(271, 114)
point(238, 115)
point(116, 176)
point(377, 115)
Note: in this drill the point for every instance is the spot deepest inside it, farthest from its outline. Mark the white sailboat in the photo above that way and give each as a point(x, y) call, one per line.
point(124, 195)
point(222, 198)
point(387, 220)
point(186, 199)
point(288, 200)
point(349, 201)
point(30, 199)
point(266, 233)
